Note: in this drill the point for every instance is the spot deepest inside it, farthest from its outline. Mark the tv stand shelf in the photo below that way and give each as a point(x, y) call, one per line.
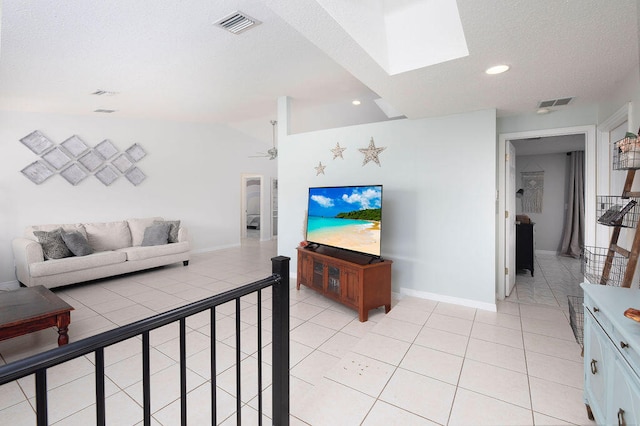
point(347, 278)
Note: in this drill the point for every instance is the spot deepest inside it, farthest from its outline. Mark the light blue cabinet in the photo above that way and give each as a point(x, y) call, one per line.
point(611, 355)
point(596, 356)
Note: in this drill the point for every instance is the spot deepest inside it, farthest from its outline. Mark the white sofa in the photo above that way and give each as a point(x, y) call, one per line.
point(116, 250)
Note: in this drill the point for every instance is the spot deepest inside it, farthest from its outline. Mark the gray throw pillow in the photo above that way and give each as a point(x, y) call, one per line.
point(77, 243)
point(156, 234)
point(52, 243)
point(173, 230)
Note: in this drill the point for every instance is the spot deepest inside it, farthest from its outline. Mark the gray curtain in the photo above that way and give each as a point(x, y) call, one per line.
point(573, 233)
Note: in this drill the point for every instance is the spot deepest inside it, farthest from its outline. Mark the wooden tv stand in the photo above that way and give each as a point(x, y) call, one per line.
point(346, 277)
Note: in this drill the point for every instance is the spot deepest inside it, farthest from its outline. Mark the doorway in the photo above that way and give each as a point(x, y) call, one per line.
point(540, 222)
point(251, 209)
point(506, 197)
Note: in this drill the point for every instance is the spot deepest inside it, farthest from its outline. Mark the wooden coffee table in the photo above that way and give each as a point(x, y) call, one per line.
point(31, 309)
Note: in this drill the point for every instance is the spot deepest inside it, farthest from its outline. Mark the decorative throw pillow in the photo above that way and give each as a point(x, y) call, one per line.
point(156, 235)
point(52, 243)
point(108, 235)
point(77, 243)
point(173, 230)
point(137, 227)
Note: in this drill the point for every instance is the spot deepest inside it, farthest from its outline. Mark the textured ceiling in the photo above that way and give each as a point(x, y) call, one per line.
point(166, 59)
point(549, 145)
point(556, 49)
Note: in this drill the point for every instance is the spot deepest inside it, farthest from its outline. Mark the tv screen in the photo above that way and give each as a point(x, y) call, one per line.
point(346, 217)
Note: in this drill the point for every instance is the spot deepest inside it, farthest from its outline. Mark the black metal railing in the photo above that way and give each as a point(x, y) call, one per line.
point(38, 364)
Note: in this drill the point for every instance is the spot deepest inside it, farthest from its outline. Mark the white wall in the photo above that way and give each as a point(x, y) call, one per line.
point(439, 178)
point(627, 91)
point(550, 222)
point(561, 118)
point(193, 174)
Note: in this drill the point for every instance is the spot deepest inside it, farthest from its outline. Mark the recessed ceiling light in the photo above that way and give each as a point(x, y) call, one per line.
point(355, 102)
point(498, 69)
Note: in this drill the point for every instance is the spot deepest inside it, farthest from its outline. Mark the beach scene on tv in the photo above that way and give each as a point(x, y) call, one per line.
point(346, 217)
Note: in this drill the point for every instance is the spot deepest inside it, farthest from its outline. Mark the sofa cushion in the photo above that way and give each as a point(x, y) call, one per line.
point(108, 235)
point(28, 232)
point(156, 234)
point(70, 264)
point(137, 227)
point(142, 253)
point(77, 243)
point(173, 230)
point(53, 245)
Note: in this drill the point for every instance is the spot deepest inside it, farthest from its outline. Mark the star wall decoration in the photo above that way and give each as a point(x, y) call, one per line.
point(319, 168)
point(337, 151)
point(371, 153)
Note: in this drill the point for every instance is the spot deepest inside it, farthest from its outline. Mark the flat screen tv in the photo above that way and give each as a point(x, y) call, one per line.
point(346, 217)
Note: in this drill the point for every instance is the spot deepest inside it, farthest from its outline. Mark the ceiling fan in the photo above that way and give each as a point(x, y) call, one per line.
point(272, 153)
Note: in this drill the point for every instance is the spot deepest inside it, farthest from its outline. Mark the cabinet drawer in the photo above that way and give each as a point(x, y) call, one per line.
point(629, 351)
point(592, 307)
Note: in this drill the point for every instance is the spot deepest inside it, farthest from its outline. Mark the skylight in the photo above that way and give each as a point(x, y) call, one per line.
point(403, 35)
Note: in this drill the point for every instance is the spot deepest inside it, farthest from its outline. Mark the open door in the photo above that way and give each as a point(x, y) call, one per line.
point(251, 209)
point(510, 222)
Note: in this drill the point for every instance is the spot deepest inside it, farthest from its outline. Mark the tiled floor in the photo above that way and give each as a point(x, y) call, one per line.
point(554, 279)
point(423, 363)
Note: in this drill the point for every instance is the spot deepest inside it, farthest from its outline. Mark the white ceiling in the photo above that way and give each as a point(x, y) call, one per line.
point(549, 145)
point(166, 60)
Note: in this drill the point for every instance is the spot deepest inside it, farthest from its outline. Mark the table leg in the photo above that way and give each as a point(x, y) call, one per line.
point(63, 321)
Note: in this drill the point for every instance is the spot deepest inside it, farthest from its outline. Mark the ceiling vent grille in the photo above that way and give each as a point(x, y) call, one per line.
point(554, 102)
point(105, 111)
point(237, 22)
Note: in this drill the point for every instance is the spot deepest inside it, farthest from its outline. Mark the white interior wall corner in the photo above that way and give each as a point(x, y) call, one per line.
point(439, 177)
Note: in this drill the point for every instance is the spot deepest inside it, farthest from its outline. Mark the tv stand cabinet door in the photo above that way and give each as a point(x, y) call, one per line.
point(351, 287)
point(305, 270)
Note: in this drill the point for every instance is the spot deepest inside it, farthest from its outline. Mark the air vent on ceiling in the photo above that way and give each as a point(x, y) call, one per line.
point(554, 102)
point(105, 111)
point(237, 22)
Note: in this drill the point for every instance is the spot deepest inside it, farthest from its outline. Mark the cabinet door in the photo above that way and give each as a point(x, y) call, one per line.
point(333, 281)
point(596, 354)
point(306, 269)
point(351, 287)
point(625, 401)
point(317, 280)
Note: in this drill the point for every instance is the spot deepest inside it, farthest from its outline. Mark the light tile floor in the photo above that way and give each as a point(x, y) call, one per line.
point(424, 363)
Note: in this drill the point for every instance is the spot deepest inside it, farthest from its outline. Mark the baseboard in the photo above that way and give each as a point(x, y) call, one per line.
point(433, 296)
point(551, 252)
point(9, 285)
point(215, 248)
point(449, 299)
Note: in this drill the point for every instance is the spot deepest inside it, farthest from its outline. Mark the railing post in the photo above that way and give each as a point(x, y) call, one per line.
point(41, 397)
point(280, 345)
